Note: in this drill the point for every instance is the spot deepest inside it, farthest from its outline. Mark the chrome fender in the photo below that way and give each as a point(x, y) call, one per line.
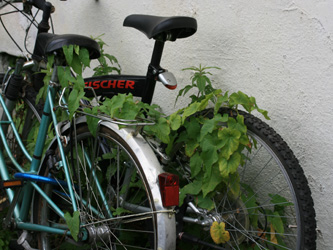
point(166, 224)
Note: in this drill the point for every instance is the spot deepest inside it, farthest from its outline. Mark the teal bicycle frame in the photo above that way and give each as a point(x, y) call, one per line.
point(21, 211)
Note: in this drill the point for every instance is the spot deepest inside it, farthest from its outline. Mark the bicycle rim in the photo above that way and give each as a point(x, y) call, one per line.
point(115, 204)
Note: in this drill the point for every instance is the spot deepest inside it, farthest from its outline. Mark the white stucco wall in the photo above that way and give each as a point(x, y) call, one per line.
point(278, 51)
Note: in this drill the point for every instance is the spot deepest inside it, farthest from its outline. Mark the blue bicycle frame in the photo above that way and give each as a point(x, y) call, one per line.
point(30, 178)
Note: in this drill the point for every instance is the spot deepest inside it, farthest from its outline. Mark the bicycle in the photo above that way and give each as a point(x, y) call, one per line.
point(271, 155)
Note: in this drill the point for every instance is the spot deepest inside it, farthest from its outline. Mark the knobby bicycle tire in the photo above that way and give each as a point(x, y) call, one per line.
point(271, 180)
point(126, 190)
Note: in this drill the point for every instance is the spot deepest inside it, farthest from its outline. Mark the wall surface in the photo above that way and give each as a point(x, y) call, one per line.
point(281, 52)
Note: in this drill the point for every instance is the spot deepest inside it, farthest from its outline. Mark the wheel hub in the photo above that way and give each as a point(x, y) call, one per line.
point(100, 233)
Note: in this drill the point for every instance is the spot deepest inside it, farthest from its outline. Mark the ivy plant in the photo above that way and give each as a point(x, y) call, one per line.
point(214, 142)
point(215, 151)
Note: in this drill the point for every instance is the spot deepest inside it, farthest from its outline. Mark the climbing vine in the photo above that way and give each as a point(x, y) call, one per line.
point(214, 143)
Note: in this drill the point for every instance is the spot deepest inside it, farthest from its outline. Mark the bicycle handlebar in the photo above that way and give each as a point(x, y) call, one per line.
point(44, 24)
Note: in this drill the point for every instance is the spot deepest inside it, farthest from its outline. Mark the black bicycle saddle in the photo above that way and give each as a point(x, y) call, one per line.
point(47, 43)
point(163, 28)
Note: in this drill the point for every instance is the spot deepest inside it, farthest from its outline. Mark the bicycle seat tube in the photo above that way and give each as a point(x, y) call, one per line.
point(153, 70)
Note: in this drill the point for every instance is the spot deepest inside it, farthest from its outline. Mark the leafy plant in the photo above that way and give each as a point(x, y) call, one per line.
point(5, 235)
point(213, 143)
point(105, 60)
point(215, 152)
point(73, 223)
point(200, 82)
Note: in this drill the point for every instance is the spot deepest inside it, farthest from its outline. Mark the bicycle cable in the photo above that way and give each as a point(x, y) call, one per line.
point(32, 22)
point(3, 25)
point(27, 32)
point(21, 11)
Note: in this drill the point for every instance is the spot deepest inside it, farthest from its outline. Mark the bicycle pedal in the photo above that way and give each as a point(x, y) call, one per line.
point(23, 241)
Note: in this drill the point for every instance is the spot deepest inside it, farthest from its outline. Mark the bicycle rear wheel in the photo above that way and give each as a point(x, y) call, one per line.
point(273, 209)
point(115, 203)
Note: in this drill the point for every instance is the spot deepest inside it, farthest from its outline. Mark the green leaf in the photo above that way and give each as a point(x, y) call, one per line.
point(278, 200)
point(212, 181)
point(249, 198)
point(201, 82)
point(73, 223)
point(129, 110)
point(220, 99)
point(76, 64)
point(205, 202)
point(77, 49)
point(229, 166)
point(209, 157)
point(210, 145)
point(74, 100)
point(92, 121)
point(120, 211)
point(193, 188)
point(277, 222)
point(115, 104)
point(263, 112)
point(79, 83)
point(210, 125)
point(211, 142)
point(161, 129)
point(234, 184)
point(190, 110)
point(240, 98)
point(190, 147)
point(68, 51)
point(175, 121)
point(195, 164)
point(204, 102)
point(84, 57)
point(193, 127)
point(183, 91)
point(111, 58)
point(237, 124)
point(230, 137)
point(64, 76)
point(244, 140)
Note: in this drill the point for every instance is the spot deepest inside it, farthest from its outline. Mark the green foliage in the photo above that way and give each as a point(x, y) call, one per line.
point(73, 223)
point(213, 143)
point(105, 60)
point(200, 82)
point(5, 235)
point(48, 73)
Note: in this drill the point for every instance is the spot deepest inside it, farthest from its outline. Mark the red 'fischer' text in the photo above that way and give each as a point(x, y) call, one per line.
point(108, 84)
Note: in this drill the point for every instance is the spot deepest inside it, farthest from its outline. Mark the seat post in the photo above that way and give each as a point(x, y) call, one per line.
point(151, 74)
point(157, 53)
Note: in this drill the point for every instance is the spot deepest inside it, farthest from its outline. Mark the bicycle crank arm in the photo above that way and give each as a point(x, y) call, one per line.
point(193, 239)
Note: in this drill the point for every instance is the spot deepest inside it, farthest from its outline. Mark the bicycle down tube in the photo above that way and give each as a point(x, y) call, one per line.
point(21, 213)
point(36, 159)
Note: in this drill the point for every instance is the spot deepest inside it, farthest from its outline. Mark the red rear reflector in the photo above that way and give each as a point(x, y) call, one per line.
point(169, 186)
point(171, 86)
